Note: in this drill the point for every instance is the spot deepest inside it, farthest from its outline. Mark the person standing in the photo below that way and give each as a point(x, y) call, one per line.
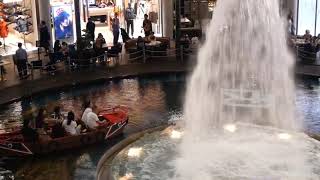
point(44, 36)
point(21, 57)
point(129, 17)
point(115, 29)
point(91, 27)
point(147, 26)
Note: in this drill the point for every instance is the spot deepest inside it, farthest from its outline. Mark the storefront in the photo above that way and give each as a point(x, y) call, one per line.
point(102, 11)
point(18, 23)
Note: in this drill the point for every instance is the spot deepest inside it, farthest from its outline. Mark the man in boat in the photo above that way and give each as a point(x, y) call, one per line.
point(87, 109)
point(93, 121)
point(89, 117)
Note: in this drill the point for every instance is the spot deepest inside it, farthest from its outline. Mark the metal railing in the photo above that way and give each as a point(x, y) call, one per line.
point(108, 59)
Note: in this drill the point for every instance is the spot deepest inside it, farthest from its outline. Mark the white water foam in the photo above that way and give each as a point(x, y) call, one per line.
point(243, 75)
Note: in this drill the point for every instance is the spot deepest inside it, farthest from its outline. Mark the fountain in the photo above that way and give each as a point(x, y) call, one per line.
point(239, 120)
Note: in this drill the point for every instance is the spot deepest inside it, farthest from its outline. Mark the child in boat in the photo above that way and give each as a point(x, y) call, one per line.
point(70, 126)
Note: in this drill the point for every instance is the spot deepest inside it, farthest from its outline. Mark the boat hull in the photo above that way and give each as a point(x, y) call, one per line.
point(41, 147)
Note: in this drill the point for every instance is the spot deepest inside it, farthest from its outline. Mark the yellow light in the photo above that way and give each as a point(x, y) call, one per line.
point(134, 152)
point(176, 134)
point(284, 136)
point(126, 177)
point(230, 127)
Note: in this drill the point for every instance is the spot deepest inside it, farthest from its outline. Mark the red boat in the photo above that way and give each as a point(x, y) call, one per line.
point(13, 144)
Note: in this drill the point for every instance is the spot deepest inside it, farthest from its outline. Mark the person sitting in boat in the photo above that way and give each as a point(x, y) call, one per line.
point(28, 133)
point(70, 126)
point(92, 120)
point(40, 119)
point(57, 115)
point(87, 109)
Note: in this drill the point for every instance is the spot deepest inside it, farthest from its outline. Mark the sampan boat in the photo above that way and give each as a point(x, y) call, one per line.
point(14, 144)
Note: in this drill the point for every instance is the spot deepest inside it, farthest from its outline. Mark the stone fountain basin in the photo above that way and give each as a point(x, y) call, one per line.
point(235, 152)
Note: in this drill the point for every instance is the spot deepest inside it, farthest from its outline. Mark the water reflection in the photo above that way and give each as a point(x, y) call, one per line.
point(150, 102)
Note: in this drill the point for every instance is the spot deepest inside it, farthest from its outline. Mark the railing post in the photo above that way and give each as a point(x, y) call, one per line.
point(144, 54)
point(69, 64)
point(106, 58)
point(181, 53)
point(31, 72)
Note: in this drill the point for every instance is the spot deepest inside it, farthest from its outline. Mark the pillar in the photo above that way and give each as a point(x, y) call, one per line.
point(77, 18)
point(44, 11)
point(178, 23)
point(167, 17)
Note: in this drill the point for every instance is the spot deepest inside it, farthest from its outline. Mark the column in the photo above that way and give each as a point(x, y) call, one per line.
point(44, 11)
point(292, 6)
point(167, 18)
point(78, 19)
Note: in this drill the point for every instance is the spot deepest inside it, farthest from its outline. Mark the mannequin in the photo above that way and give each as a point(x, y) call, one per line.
point(22, 24)
point(3, 30)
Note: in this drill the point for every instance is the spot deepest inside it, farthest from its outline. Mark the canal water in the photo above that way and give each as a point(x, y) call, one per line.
point(152, 101)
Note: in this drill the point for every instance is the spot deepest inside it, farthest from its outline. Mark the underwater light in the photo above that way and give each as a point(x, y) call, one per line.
point(230, 127)
point(127, 177)
point(176, 134)
point(284, 136)
point(134, 152)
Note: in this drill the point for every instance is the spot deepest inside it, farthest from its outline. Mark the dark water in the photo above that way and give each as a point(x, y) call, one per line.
point(151, 100)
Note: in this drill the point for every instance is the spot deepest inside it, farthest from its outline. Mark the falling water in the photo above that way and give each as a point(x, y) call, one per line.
point(241, 98)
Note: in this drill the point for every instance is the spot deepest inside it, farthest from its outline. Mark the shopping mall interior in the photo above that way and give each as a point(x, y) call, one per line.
point(159, 89)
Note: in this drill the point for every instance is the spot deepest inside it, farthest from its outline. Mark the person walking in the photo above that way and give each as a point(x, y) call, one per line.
point(91, 27)
point(147, 26)
point(115, 29)
point(21, 58)
point(44, 36)
point(129, 17)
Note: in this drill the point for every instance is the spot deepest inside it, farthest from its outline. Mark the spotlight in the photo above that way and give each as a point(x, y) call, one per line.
point(284, 136)
point(134, 152)
point(230, 127)
point(176, 134)
point(127, 177)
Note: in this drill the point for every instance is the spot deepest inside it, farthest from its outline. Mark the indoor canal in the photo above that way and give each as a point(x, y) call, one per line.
point(152, 101)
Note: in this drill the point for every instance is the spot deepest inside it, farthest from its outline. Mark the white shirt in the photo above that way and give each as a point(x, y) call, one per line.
point(84, 115)
point(92, 119)
point(71, 128)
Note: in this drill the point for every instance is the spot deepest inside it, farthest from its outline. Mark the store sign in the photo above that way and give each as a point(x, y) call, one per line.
point(63, 25)
point(60, 2)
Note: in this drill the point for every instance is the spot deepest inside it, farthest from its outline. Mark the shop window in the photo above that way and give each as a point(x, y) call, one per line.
point(306, 16)
point(16, 25)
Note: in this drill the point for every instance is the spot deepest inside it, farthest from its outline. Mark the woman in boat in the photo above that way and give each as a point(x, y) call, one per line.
point(40, 119)
point(70, 126)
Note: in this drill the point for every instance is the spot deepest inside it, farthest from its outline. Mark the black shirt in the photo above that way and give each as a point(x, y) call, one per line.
point(91, 27)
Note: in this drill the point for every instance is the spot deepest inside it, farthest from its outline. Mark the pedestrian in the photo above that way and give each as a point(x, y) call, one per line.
point(129, 17)
point(44, 36)
point(21, 58)
point(147, 26)
point(115, 29)
point(91, 28)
